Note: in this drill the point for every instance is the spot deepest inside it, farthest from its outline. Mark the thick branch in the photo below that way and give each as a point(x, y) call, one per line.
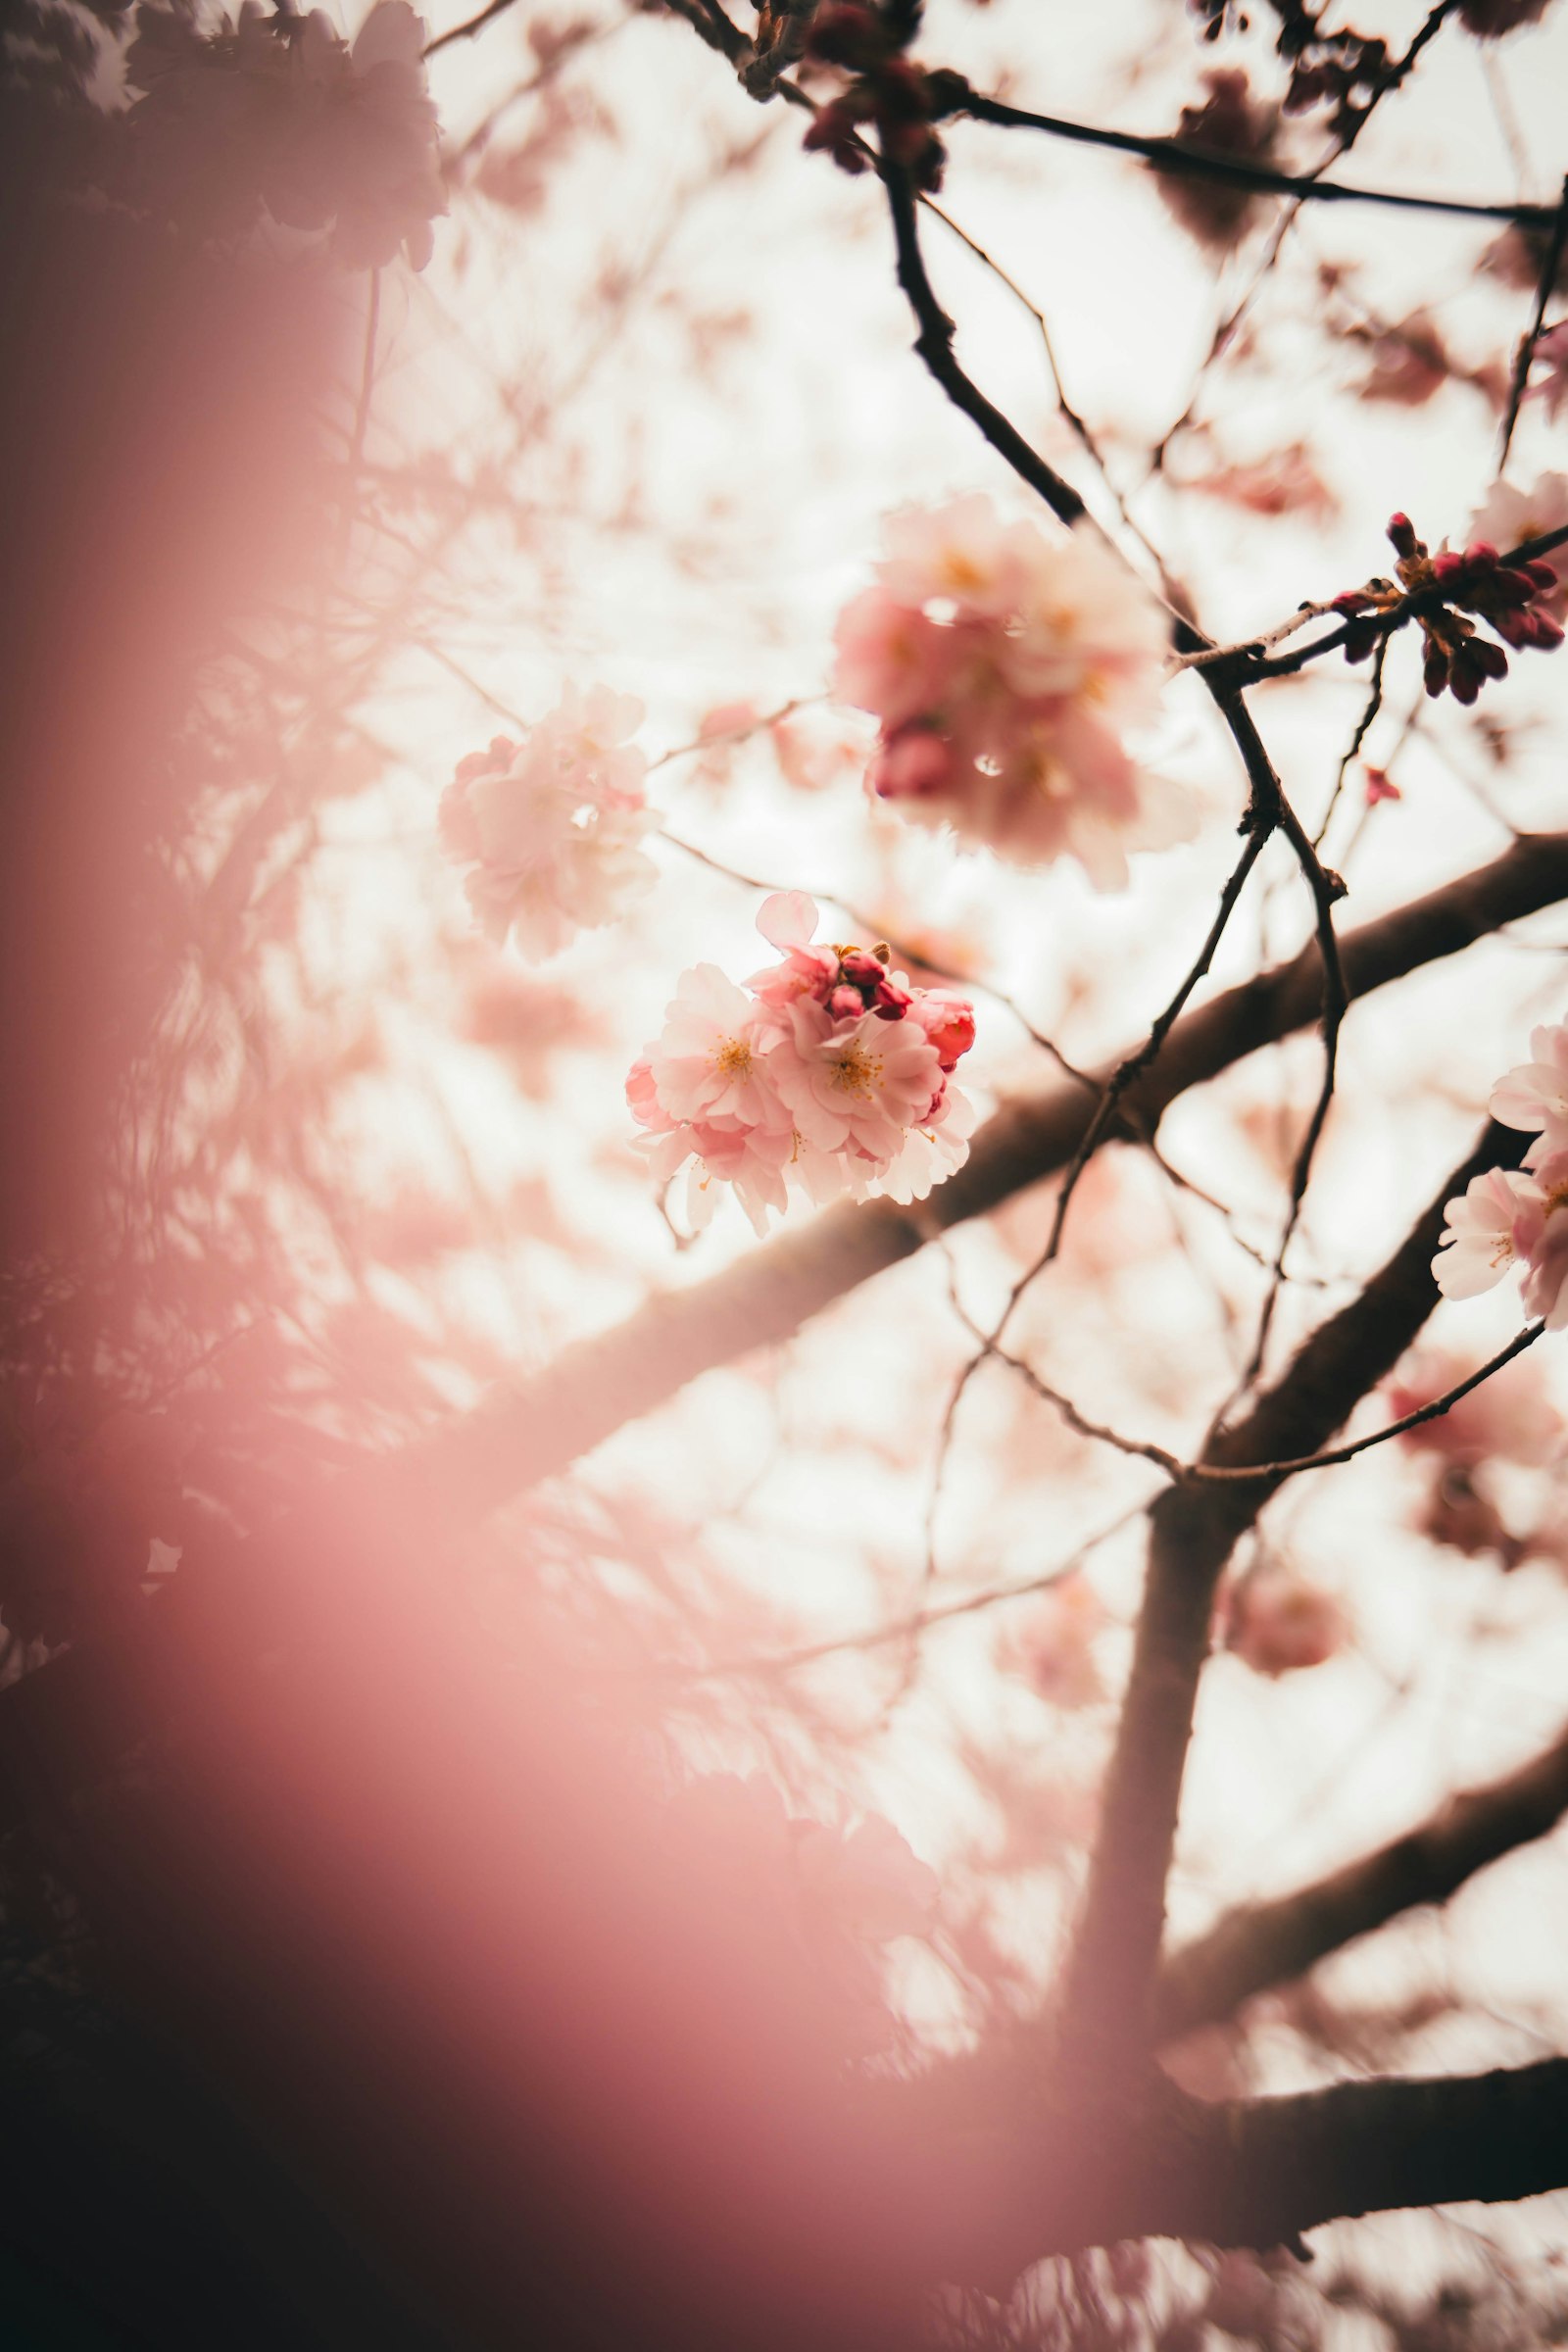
point(536, 1428)
point(1261, 1944)
point(1192, 1531)
point(1257, 2173)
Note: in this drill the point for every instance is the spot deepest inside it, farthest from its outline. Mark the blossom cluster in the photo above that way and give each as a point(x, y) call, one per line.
point(551, 828)
point(827, 1072)
point(277, 111)
point(1002, 666)
point(1507, 1219)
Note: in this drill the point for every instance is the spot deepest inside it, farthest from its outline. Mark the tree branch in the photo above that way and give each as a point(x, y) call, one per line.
point(536, 1428)
point(1192, 1531)
point(1261, 1944)
point(1189, 162)
point(1257, 2173)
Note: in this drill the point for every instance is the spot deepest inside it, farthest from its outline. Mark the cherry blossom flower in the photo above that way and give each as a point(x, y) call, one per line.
point(277, 111)
point(1534, 1093)
point(827, 1073)
point(1507, 518)
point(1278, 1620)
point(551, 828)
point(1002, 668)
point(1476, 1245)
point(1541, 1237)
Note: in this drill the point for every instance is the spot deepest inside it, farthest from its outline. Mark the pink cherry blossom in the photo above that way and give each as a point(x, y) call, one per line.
point(1534, 1093)
point(711, 1064)
point(1279, 1622)
point(1477, 1245)
point(827, 1074)
point(550, 829)
point(1004, 667)
point(856, 1086)
point(1541, 1239)
point(1507, 518)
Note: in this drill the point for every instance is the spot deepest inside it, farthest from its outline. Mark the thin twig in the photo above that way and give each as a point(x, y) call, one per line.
point(467, 32)
point(1527, 349)
point(1363, 728)
point(1186, 161)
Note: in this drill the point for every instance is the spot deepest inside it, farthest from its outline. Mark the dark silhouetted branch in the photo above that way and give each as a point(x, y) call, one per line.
point(1261, 1944)
point(1192, 1531)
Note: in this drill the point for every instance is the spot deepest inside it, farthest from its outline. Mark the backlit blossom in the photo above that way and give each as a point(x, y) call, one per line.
point(827, 1074)
point(1541, 1239)
point(1534, 1093)
point(551, 828)
point(1004, 667)
point(1507, 518)
point(1477, 1248)
point(277, 111)
point(1278, 1620)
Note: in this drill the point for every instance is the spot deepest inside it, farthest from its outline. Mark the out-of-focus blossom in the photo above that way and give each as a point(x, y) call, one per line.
point(1459, 1514)
point(1004, 667)
point(1509, 1418)
point(278, 110)
point(1279, 1621)
point(1410, 363)
point(1489, 20)
point(1507, 518)
point(827, 1073)
point(1052, 1646)
point(1230, 121)
point(551, 828)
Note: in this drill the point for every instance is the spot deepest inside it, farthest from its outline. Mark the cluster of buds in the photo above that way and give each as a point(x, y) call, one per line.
point(867, 41)
point(863, 984)
point(1509, 597)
